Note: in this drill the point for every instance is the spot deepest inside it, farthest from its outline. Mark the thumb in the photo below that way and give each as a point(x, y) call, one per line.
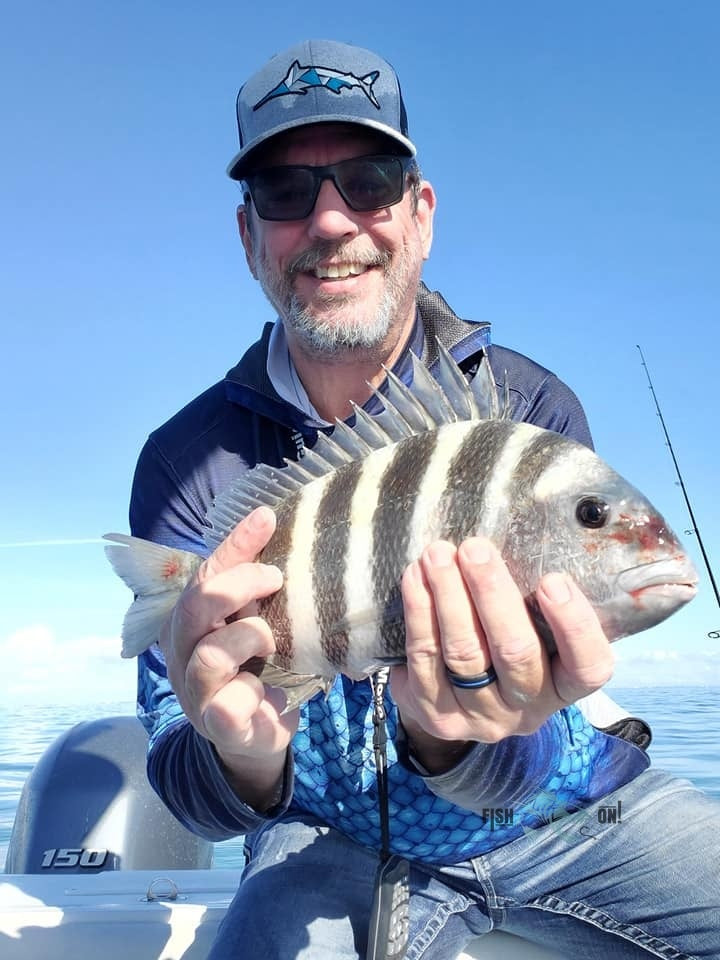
point(242, 544)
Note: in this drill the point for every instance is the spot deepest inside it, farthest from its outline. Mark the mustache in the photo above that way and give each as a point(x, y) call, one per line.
point(324, 250)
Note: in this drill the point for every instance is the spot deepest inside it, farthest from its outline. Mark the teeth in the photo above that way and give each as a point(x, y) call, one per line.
point(336, 271)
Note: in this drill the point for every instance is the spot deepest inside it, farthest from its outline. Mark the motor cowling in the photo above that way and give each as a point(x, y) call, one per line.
point(87, 806)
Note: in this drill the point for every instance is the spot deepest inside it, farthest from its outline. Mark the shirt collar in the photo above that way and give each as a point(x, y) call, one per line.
point(284, 377)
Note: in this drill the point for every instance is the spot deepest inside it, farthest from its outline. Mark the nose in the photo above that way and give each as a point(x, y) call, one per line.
point(331, 218)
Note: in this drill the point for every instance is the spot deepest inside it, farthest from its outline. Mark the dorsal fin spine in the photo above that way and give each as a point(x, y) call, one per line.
point(433, 400)
point(370, 429)
point(429, 393)
point(331, 451)
point(455, 387)
point(391, 420)
point(407, 404)
point(350, 441)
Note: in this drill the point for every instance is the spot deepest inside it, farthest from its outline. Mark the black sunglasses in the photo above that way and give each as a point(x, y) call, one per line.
point(364, 183)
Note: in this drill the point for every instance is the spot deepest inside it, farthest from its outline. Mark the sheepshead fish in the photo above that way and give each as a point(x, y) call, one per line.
point(442, 461)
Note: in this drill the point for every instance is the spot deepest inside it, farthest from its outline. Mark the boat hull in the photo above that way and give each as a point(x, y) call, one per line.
point(147, 915)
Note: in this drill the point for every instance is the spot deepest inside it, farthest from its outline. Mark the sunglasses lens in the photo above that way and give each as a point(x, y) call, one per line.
point(365, 183)
point(370, 183)
point(284, 193)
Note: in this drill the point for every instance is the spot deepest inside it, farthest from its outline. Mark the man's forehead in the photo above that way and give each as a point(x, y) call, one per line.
point(321, 135)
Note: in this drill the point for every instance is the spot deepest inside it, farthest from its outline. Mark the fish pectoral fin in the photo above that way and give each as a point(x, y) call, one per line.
point(297, 687)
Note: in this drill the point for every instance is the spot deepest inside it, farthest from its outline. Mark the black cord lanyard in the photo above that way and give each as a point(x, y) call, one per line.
point(390, 917)
point(379, 682)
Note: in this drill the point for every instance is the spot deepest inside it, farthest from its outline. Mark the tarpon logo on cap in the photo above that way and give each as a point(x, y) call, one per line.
point(299, 79)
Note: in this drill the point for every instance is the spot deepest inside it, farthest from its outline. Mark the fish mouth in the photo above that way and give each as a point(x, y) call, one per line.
point(674, 578)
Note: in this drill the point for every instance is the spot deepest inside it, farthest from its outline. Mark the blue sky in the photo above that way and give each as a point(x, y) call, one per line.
point(574, 149)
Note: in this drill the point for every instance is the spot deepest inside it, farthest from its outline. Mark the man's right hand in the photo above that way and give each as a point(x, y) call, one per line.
point(212, 632)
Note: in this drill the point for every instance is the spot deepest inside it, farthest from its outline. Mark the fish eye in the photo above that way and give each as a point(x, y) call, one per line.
point(592, 512)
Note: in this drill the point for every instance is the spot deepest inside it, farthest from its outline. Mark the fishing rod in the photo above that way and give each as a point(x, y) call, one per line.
point(713, 634)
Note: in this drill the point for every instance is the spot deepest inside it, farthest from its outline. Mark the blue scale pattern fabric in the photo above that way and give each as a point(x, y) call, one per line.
point(335, 779)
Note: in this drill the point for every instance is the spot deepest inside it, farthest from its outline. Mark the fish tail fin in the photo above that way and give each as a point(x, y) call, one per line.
point(157, 575)
point(367, 83)
point(144, 621)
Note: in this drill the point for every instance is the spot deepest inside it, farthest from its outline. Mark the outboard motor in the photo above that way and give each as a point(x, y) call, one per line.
point(87, 807)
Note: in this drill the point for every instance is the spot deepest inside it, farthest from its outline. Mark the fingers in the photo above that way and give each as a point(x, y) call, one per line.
point(206, 606)
point(442, 631)
point(218, 657)
point(226, 583)
point(462, 637)
point(517, 653)
point(585, 659)
point(422, 637)
point(213, 643)
point(203, 650)
point(242, 544)
point(464, 611)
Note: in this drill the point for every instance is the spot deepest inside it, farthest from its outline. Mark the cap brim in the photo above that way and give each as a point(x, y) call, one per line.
point(243, 161)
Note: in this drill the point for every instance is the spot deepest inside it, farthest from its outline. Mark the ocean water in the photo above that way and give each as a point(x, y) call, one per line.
point(685, 722)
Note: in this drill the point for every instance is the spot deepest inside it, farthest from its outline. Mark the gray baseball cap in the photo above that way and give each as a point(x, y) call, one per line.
point(319, 81)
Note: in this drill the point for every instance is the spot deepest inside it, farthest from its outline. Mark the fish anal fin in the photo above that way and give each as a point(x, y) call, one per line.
point(297, 687)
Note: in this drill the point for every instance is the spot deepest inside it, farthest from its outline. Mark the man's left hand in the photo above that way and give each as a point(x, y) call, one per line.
point(464, 613)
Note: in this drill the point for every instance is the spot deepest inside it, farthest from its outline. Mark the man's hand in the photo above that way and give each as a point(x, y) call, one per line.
point(464, 612)
point(212, 632)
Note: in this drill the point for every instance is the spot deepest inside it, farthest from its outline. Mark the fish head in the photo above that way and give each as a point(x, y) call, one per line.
point(615, 544)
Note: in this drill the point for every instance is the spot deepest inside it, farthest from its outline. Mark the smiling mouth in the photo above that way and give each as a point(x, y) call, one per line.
point(340, 271)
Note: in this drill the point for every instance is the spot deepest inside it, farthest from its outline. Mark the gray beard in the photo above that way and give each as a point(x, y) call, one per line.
point(322, 336)
point(325, 335)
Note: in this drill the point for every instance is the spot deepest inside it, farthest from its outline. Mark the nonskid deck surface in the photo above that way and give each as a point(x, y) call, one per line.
point(146, 915)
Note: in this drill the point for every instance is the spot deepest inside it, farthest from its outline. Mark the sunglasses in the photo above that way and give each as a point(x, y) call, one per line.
point(364, 183)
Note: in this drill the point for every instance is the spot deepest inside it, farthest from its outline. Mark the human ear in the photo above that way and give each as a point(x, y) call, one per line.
point(426, 203)
point(246, 235)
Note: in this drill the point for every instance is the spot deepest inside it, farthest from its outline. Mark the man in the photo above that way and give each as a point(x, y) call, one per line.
point(336, 222)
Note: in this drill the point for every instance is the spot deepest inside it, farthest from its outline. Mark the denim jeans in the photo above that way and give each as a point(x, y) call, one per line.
point(591, 886)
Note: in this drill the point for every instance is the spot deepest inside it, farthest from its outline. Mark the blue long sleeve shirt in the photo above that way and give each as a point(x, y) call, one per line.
point(565, 765)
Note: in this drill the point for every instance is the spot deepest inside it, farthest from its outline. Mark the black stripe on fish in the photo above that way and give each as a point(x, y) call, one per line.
point(274, 609)
point(399, 489)
point(328, 560)
point(469, 476)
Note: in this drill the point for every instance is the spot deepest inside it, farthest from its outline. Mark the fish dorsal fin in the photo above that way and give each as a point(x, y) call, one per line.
point(483, 388)
point(331, 451)
point(263, 486)
point(477, 400)
point(484, 392)
point(433, 399)
point(370, 429)
point(408, 406)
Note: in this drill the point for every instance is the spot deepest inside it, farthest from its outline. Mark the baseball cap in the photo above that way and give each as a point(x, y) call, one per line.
point(319, 81)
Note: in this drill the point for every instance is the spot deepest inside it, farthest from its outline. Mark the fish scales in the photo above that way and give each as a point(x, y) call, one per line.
point(361, 602)
point(479, 465)
point(524, 546)
point(392, 531)
point(427, 521)
point(298, 575)
point(328, 558)
point(275, 608)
